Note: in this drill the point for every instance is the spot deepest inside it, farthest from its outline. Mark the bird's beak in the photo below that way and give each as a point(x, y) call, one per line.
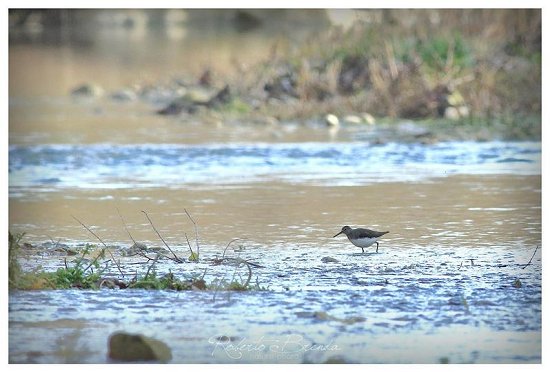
point(337, 234)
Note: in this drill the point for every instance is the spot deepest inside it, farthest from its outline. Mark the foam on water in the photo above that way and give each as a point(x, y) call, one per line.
point(335, 164)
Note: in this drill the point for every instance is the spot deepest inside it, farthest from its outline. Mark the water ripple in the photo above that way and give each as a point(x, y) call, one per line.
point(171, 165)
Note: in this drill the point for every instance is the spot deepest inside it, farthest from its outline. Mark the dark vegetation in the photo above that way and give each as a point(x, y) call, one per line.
point(90, 268)
point(473, 67)
point(476, 68)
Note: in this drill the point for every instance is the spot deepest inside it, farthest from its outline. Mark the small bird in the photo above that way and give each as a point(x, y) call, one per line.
point(362, 238)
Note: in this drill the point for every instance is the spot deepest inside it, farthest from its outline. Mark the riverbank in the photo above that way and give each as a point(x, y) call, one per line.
point(458, 84)
point(461, 74)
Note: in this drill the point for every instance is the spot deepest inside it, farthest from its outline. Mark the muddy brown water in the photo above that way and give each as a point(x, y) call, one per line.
point(367, 308)
point(464, 219)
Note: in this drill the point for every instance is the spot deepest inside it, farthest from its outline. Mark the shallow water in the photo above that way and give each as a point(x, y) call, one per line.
point(366, 308)
point(106, 166)
point(464, 218)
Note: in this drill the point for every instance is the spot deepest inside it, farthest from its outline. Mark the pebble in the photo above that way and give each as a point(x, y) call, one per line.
point(352, 119)
point(332, 120)
point(87, 90)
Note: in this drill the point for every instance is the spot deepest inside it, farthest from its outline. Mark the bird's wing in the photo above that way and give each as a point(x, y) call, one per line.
point(366, 233)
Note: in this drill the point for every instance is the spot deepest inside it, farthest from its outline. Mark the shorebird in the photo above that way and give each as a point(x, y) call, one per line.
point(362, 238)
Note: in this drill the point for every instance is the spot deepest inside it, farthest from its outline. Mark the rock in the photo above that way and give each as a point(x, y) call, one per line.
point(352, 119)
point(111, 283)
point(332, 120)
point(135, 347)
point(199, 96)
point(463, 111)
point(452, 113)
point(322, 315)
point(368, 118)
point(136, 248)
point(176, 107)
point(123, 95)
point(87, 91)
point(517, 283)
point(282, 86)
point(336, 360)
point(328, 259)
point(318, 315)
point(157, 95)
point(195, 98)
point(221, 98)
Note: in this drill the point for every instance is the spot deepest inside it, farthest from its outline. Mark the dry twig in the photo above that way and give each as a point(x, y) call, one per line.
point(102, 242)
point(176, 258)
point(196, 233)
point(529, 263)
point(227, 246)
point(189, 245)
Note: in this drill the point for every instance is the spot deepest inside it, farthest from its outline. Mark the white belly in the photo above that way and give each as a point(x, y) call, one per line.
point(364, 242)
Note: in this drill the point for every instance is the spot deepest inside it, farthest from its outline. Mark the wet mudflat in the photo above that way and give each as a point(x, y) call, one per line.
point(393, 307)
point(441, 288)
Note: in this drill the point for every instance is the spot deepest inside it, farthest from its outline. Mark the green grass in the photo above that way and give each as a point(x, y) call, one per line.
point(85, 272)
point(14, 269)
point(486, 62)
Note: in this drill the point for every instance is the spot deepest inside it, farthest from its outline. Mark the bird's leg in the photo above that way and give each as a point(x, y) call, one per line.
point(376, 247)
point(363, 249)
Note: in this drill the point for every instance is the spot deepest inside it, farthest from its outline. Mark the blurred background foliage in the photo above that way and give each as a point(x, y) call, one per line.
point(473, 65)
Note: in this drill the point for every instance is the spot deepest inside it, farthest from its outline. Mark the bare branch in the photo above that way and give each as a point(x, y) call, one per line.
point(56, 243)
point(227, 246)
point(176, 258)
point(529, 263)
point(125, 227)
point(189, 244)
point(90, 231)
point(102, 242)
point(236, 261)
point(141, 254)
point(196, 231)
